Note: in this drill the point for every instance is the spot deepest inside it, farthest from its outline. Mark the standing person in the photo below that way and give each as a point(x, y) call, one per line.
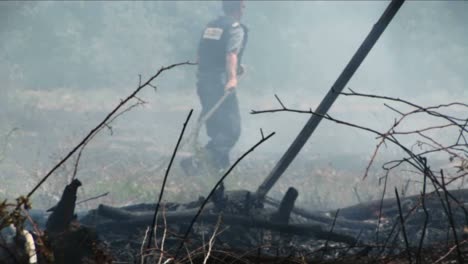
point(219, 63)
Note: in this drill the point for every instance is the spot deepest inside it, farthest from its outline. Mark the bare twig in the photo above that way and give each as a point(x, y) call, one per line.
point(325, 247)
point(403, 229)
point(279, 101)
point(422, 129)
point(450, 217)
point(426, 217)
point(106, 125)
point(163, 240)
point(142, 254)
point(188, 254)
point(77, 161)
point(449, 252)
point(461, 135)
point(385, 136)
point(381, 206)
point(166, 175)
point(356, 193)
point(154, 87)
point(92, 198)
point(418, 108)
point(211, 241)
point(101, 124)
point(328, 117)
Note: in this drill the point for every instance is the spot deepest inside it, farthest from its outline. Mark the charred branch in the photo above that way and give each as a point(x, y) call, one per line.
point(129, 220)
point(286, 206)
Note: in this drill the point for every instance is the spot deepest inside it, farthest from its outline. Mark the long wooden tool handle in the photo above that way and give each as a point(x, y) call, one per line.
point(331, 96)
point(203, 118)
point(193, 136)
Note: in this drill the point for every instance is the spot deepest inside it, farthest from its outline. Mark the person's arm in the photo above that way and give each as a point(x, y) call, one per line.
point(236, 37)
point(231, 71)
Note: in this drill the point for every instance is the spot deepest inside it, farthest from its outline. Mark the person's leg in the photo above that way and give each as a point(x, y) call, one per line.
point(208, 95)
point(209, 92)
point(224, 131)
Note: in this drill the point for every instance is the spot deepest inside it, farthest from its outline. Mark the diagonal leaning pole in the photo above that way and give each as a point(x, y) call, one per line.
point(331, 96)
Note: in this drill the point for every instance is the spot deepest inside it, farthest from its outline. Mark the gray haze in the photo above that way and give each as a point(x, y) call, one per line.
point(64, 65)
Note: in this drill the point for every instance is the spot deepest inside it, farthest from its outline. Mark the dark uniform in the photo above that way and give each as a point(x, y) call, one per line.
point(220, 37)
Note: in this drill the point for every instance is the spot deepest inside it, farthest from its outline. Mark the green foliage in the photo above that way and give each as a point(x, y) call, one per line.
point(89, 44)
point(92, 45)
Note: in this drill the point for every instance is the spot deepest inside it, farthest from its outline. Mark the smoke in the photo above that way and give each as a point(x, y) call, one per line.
point(64, 64)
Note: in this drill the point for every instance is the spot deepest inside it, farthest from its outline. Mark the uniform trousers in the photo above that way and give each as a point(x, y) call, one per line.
point(223, 127)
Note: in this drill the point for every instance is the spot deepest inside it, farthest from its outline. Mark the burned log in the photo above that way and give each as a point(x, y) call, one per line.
point(63, 213)
point(370, 210)
point(69, 241)
point(323, 217)
point(127, 220)
point(286, 206)
point(244, 221)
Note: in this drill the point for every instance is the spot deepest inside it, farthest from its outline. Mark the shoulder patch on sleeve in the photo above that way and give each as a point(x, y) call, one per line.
point(235, 24)
point(213, 33)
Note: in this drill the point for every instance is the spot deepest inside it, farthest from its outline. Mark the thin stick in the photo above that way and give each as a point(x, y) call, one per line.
point(381, 207)
point(107, 124)
point(356, 193)
point(77, 162)
point(142, 246)
point(188, 254)
point(403, 229)
point(426, 218)
point(450, 217)
point(419, 108)
point(461, 136)
point(92, 198)
point(165, 178)
point(192, 137)
point(331, 231)
point(210, 242)
point(448, 253)
point(164, 237)
point(101, 124)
